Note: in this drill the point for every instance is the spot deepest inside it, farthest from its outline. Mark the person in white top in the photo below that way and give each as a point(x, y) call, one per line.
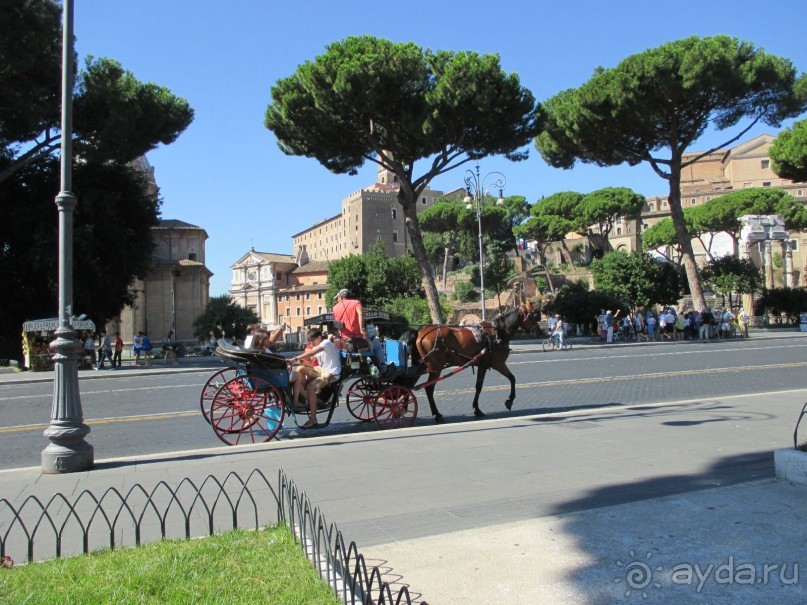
point(316, 377)
point(558, 331)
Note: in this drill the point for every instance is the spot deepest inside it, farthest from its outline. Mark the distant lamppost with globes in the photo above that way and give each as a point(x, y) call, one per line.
point(475, 186)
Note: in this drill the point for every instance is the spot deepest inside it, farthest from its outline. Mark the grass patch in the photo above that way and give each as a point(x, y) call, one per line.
point(237, 567)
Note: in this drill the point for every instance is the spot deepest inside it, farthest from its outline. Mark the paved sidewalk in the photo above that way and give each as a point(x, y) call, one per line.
point(676, 501)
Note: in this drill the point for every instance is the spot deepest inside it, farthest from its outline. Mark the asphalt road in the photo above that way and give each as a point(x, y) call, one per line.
point(136, 414)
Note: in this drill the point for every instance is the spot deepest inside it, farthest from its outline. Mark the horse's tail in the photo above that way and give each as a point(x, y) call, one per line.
point(410, 337)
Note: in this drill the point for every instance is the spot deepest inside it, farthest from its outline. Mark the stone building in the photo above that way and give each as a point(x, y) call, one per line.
point(291, 288)
point(743, 166)
point(367, 215)
point(176, 289)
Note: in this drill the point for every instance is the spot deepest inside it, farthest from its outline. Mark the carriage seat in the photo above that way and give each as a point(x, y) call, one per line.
point(356, 345)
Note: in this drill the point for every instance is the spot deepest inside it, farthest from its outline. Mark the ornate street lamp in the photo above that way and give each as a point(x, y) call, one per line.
point(67, 452)
point(475, 188)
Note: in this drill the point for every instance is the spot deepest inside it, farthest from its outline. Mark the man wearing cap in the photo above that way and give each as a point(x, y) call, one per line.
point(314, 378)
point(350, 312)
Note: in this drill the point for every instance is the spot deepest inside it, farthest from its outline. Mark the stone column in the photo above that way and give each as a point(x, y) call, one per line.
point(787, 261)
point(768, 264)
point(747, 299)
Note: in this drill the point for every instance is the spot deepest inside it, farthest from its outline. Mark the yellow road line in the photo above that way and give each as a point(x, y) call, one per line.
point(555, 383)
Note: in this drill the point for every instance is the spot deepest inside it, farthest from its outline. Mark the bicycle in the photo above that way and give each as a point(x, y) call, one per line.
point(553, 343)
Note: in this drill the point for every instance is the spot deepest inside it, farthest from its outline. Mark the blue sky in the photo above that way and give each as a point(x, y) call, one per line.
point(226, 174)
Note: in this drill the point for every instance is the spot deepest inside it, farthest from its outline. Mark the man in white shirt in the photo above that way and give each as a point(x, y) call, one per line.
point(316, 377)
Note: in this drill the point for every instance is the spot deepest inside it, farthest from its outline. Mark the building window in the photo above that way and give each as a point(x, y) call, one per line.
point(192, 256)
point(423, 201)
point(394, 213)
point(708, 197)
point(298, 311)
point(664, 204)
point(764, 164)
point(766, 183)
point(800, 192)
point(280, 319)
point(308, 311)
point(394, 237)
point(651, 207)
point(794, 244)
point(693, 201)
point(308, 295)
point(319, 310)
point(619, 230)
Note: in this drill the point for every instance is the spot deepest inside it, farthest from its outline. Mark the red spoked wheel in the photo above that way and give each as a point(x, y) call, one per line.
point(395, 407)
point(213, 384)
point(361, 398)
point(246, 409)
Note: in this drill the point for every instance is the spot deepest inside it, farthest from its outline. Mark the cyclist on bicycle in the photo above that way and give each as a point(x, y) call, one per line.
point(558, 331)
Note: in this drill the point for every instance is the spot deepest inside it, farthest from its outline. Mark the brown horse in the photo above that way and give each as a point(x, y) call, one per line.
point(435, 348)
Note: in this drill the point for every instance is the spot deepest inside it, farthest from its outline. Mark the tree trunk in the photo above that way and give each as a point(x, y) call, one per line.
point(419, 250)
point(445, 267)
point(684, 240)
point(542, 258)
point(568, 255)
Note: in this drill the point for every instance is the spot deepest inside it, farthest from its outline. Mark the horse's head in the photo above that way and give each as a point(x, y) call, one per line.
point(526, 317)
point(520, 318)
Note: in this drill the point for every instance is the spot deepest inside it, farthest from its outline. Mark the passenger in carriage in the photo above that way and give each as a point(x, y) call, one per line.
point(314, 378)
point(350, 312)
point(262, 340)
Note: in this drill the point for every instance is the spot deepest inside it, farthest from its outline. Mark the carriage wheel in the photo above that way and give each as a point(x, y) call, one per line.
point(395, 407)
point(212, 385)
point(246, 409)
point(360, 400)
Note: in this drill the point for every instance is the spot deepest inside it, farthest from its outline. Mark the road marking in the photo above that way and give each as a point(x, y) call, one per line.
point(453, 392)
point(565, 356)
point(49, 395)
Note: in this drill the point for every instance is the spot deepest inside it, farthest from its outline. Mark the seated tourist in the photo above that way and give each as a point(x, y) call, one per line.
point(314, 378)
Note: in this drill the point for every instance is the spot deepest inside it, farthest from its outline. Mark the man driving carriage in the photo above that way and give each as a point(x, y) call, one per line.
point(315, 378)
point(350, 313)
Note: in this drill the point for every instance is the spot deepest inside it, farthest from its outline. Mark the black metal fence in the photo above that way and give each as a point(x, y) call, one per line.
point(59, 526)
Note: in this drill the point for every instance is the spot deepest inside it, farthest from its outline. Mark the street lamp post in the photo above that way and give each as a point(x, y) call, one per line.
point(475, 188)
point(68, 451)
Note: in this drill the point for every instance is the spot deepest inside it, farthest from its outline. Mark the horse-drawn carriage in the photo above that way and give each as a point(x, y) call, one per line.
point(249, 401)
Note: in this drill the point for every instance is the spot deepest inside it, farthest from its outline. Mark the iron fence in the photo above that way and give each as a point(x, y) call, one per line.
point(58, 526)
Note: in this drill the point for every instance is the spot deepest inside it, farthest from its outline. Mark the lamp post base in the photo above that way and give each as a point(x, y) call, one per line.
point(67, 458)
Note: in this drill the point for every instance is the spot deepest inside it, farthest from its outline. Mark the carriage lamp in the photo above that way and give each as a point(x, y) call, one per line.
point(475, 190)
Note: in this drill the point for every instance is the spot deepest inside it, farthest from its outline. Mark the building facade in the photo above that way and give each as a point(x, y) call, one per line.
point(744, 166)
point(368, 215)
point(291, 288)
point(176, 289)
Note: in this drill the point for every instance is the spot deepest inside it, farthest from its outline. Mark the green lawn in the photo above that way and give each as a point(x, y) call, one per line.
point(237, 567)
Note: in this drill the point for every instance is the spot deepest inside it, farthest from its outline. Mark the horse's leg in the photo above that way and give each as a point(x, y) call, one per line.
point(480, 379)
point(501, 368)
point(438, 417)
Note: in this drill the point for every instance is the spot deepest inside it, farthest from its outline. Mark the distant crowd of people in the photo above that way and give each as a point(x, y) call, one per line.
point(666, 324)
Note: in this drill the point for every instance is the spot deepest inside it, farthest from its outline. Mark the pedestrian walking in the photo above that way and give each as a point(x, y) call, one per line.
point(137, 348)
point(743, 317)
point(104, 351)
point(116, 359)
point(145, 346)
